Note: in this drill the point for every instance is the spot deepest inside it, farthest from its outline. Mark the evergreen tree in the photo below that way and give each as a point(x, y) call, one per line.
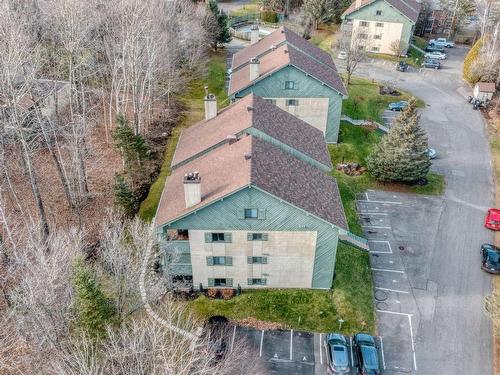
point(401, 155)
point(219, 27)
point(132, 146)
point(93, 309)
point(469, 61)
point(124, 196)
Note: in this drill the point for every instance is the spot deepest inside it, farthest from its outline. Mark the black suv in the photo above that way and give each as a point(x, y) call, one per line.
point(366, 354)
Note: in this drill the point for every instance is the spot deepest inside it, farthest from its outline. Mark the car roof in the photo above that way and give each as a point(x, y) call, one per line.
point(339, 355)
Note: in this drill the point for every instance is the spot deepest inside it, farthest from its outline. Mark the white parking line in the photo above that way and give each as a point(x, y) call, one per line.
point(393, 312)
point(381, 252)
point(373, 213)
point(352, 356)
point(375, 227)
point(232, 341)
point(383, 202)
point(291, 343)
point(320, 349)
point(412, 344)
point(382, 351)
point(384, 270)
point(261, 340)
point(393, 290)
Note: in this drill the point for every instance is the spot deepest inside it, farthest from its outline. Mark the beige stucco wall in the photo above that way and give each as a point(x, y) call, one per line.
point(314, 111)
point(290, 259)
point(390, 31)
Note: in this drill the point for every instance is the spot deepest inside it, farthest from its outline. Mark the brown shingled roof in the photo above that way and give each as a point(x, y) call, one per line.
point(264, 116)
point(277, 38)
point(268, 169)
point(409, 8)
point(281, 57)
point(486, 86)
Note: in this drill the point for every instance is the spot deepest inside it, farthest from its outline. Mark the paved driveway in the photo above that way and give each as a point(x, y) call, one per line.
point(430, 288)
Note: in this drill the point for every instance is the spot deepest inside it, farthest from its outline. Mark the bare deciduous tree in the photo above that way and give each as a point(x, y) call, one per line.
point(355, 46)
point(398, 47)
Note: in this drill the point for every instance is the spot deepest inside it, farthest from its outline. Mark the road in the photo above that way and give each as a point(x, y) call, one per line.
point(435, 240)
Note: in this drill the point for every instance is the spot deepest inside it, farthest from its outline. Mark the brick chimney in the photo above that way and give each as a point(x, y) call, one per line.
point(254, 34)
point(254, 68)
point(210, 105)
point(192, 189)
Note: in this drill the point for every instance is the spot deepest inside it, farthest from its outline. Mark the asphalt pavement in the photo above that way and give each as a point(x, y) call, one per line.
point(430, 286)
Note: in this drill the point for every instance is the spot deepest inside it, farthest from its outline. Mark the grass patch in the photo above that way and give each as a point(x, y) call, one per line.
point(355, 144)
point(251, 8)
point(192, 99)
point(324, 37)
point(414, 58)
point(420, 42)
point(365, 102)
point(350, 299)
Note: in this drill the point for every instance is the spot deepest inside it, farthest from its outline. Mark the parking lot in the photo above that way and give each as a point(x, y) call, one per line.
point(291, 352)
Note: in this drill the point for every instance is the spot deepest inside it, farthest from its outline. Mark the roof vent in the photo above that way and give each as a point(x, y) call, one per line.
point(285, 51)
point(282, 31)
point(247, 156)
point(249, 108)
point(232, 138)
point(272, 48)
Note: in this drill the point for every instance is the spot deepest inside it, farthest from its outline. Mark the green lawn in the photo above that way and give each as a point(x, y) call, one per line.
point(192, 99)
point(355, 144)
point(420, 42)
point(351, 299)
point(325, 37)
point(365, 102)
point(251, 8)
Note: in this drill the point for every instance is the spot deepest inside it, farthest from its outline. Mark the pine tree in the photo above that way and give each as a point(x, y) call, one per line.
point(93, 309)
point(221, 33)
point(401, 155)
point(132, 146)
point(470, 60)
point(124, 196)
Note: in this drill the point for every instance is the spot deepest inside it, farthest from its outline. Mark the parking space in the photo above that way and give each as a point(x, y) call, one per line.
point(394, 302)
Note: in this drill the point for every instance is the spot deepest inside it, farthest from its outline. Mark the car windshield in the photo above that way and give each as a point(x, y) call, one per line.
point(370, 357)
point(494, 257)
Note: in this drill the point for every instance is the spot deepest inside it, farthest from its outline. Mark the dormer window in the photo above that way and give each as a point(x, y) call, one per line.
point(378, 12)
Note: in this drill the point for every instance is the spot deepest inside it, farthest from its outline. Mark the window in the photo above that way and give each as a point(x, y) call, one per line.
point(257, 260)
point(217, 237)
point(220, 282)
point(379, 24)
point(363, 36)
point(257, 236)
point(219, 261)
point(364, 23)
point(272, 101)
point(292, 102)
point(257, 281)
point(378, 36)
point(251, 213)
point(375, 49)
point(378, 12)
point(289, 85)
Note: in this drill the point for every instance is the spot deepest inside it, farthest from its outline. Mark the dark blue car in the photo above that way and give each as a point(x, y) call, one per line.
point(490, 258)
point(366, 354)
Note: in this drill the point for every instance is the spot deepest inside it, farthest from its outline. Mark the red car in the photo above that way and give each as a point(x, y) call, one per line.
point(492, 220)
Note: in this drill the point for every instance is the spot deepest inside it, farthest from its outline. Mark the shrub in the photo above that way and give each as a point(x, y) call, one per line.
point(269, 16)
point(468, 70)
point(227, 293)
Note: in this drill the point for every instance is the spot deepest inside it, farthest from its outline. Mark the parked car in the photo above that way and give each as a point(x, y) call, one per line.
point(490, 258)
point(398, 106)
point(337, 354)
point(402, 66)
point(434, 47)
point(366, 354)
point(431, 63)
point(443, 42)
point(342, 55)
point(435, 55)
point(492, 220)
point(432, 153)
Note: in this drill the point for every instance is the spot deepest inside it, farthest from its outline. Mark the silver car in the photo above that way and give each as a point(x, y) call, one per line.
point(337, 354)
point(435, 55)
